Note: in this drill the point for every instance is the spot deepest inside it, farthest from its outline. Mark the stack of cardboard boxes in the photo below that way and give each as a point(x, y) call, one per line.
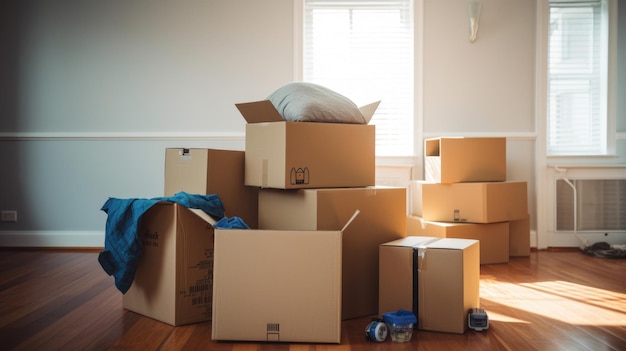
point(174, 277)
point(307, 263)
point(466, 194)
point(461, 216)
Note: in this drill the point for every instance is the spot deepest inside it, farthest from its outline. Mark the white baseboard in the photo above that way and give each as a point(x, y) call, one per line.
point(70, 239)
point(581, 239)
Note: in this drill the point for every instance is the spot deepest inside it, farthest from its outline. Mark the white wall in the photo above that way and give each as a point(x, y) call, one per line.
point(481, 87)
point(98, 89)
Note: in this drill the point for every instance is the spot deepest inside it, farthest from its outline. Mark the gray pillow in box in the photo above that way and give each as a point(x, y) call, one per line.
point(308, 102)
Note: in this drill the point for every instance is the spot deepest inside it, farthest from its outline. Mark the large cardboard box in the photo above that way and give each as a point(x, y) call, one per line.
point(520, 238)
point(493, 237)
point(277, 285)
point(212, 171)
point(382, 218)
point(291, 155)
point(480, 202)
point(455, 160)
point(436, 278)
point(173, 278)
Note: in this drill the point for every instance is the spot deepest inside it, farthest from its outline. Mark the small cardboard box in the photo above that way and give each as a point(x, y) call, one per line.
point(480, 202)
point(520, 238)
point(173, 278)
point(277, 286)
point(455, 160)
point(436, 278)
point(212, 171)
point(292, 155)
point(382, 218)
point(493, 237)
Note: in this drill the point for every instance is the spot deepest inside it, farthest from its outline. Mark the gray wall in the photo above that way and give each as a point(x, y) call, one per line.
point(144, 66)
point(94, 91)
point(98, 89)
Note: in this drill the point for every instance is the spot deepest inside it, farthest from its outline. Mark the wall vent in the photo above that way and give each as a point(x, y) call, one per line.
point(590, 205)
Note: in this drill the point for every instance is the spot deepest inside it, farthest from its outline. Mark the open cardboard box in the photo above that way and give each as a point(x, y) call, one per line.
point(382, 218)
point(457, 159)
point(292, 155)
point(173, 277)
point(277, 285)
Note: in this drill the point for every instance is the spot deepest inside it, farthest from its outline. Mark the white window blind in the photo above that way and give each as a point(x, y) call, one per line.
point(577, 120)
point(363, 49)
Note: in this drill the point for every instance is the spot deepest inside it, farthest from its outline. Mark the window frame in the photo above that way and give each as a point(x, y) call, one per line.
point(608, 87)
point(546, 165)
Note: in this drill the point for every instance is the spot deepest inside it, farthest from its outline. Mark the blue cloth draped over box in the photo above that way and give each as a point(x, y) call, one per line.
point(122, 244)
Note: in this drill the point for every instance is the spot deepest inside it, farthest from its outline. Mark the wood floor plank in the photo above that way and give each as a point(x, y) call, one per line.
point(108, 333)
point(180, 337)
point(57, 273)
point(66, 329)
point(144, 334)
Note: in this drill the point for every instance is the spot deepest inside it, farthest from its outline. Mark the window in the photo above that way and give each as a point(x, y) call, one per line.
point(577, 77)
point(363, 49)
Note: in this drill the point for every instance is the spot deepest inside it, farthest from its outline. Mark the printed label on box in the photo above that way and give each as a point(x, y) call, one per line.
point(300, 176)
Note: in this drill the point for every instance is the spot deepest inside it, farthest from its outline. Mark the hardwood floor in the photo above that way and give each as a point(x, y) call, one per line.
point(63, 300)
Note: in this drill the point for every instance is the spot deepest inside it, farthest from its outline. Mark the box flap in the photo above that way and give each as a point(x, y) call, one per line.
point(264, 111)
point(411, 241)
point(356, 213)
point(205, 216)
point(368, 110)
point(259, 111)
point(451, 244)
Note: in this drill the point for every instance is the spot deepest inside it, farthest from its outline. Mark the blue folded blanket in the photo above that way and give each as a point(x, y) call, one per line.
point(122, 244)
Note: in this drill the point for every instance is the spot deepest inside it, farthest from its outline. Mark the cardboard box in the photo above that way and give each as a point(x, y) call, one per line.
point(212, 171)
point(382, 219)
point(455, 160)
point(520, 238)
point(415, 198)
point(273, 285)
point(292, 155)
point(493, 237)
point(173, 278)
point(436, 278)
point(480, 202)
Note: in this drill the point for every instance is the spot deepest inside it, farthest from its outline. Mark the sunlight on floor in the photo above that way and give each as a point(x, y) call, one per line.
point(493, 316)
point(564, 301)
